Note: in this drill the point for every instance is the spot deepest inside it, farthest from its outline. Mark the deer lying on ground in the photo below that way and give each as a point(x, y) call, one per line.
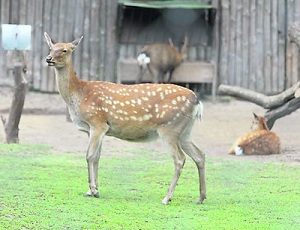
point(261, 141)
point(130, 112)
point(160, 59)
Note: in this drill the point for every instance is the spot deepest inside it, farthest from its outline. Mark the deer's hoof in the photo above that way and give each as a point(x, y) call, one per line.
point(97, 195)
point(165, 201)
point(200, 201)
point(89, 194)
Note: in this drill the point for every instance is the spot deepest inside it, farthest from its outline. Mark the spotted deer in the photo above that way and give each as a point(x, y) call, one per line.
point(261, 141)
point(160, 59)
point(140, 112)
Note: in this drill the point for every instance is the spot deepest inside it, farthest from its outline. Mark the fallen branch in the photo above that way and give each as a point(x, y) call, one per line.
point(267, 102)
point(278, 105)
point(286, 109)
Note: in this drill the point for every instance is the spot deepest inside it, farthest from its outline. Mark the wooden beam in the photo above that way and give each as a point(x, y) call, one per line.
point(187, 72)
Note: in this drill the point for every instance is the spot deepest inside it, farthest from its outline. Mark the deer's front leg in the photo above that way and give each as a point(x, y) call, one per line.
point(92, 158)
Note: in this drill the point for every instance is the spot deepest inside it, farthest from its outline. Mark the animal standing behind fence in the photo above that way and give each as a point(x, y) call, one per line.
point(130, 112)
point(160, 59)
point(261, 141)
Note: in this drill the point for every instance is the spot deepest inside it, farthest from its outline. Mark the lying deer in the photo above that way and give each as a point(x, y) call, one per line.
point(261, 141)
point(139, 112)
point(160, 59)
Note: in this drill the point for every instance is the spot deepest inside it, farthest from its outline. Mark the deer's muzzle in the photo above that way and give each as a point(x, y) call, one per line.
point(49, 60)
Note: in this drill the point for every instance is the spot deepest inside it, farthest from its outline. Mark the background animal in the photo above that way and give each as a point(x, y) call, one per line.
point(139, 112)
point(160, 59)
point(261, 141)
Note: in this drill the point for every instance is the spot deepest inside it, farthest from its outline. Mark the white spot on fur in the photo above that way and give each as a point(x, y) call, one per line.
point(162, 96)
point(108, 102)
point(134, 118)
point(147, 117)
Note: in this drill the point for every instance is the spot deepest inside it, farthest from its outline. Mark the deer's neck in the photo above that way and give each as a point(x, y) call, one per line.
point(67, 82)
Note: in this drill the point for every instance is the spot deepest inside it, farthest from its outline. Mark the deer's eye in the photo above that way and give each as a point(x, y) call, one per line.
point(64, 51)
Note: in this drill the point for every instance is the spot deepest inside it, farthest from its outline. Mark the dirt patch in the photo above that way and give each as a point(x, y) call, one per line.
point(44, 122)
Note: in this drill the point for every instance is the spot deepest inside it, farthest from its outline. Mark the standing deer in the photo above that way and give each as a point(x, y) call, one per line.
point(160, 59)
point(129, 112)
point(261, 141)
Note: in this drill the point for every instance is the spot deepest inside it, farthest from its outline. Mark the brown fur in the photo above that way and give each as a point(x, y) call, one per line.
point(139, 112)
point(164, 58)
point(261, 141)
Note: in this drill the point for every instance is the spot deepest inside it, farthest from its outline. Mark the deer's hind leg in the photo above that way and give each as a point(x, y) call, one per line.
point(198, 157)
point(141, 74)
point(179, 160)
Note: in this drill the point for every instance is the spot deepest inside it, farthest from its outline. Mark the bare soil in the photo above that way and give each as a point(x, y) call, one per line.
point(44, 122)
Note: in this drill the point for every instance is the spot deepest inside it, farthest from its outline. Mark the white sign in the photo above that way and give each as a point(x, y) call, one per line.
point(16, 37)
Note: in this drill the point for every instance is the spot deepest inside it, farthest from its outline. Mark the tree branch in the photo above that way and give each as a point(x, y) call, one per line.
point(267, 102)
point(286, 109)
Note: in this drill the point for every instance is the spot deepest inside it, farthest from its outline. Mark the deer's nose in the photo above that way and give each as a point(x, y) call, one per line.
point(48, 58)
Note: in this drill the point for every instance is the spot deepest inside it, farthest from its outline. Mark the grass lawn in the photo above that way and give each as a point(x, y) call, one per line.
point(43, 189)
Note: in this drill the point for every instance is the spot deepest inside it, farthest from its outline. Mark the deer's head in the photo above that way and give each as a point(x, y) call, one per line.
point(60, 53)
point(259, 123)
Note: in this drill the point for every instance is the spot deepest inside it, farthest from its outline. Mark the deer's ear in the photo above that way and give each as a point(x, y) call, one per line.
point(76, 42)
point(255, 116)
point(48, 40)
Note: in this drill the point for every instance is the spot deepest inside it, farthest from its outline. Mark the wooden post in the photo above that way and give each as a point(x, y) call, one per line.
point(11, 125)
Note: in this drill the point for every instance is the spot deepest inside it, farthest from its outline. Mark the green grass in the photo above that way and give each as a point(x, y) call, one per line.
point(43, 189)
